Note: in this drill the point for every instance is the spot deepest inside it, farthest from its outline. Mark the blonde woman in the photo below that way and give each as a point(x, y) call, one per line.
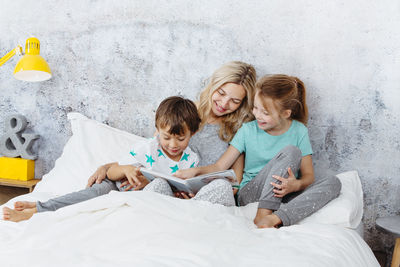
point(224, 105)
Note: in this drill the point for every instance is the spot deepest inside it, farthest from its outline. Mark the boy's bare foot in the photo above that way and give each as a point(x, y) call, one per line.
point(21, 205)
point(17, 216)
point(266, 219)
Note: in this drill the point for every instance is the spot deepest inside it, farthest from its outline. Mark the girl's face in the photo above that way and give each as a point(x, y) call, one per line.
point(227, 99)
point(271, 119)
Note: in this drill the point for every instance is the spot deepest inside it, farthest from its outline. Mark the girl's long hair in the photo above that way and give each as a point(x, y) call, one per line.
point(233, 72)
point(288, 91)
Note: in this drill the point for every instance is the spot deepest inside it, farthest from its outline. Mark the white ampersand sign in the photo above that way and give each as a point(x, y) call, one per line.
point(14, 143)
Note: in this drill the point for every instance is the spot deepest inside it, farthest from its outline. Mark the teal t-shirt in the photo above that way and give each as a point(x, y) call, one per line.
point(260, 147)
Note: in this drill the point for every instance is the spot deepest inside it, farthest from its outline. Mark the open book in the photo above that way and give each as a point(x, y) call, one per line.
point(191, 185)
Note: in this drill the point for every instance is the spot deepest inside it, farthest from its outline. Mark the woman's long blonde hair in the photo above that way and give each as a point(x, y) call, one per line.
point(239, 73)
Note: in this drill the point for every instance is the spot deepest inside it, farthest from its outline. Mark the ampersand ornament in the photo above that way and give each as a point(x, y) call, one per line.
point(15, 143)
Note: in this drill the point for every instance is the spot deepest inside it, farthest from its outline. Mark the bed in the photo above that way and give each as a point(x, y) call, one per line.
point(148, 229)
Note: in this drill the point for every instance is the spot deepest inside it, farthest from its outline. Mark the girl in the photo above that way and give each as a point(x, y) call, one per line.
point(224, 105)
point(278, 167)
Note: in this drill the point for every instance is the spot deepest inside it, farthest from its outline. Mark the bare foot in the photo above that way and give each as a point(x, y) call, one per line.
point(266, 219)
point(21, 205)
point(17, 216)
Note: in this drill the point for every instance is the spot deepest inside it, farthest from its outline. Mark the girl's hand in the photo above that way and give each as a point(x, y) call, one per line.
point(98, 176)
point(288, 185)
point(186, 174)
point(183, 195)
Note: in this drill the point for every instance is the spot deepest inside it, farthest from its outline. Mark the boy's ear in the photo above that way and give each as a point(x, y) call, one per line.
point(286, 113)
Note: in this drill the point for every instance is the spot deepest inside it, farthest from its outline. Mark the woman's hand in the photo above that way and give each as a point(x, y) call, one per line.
point(98, 176)
point(183, 195)
point(288, 185)
point(187, 173)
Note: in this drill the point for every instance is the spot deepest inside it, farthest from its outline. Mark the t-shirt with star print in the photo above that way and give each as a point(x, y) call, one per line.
point(150, 155)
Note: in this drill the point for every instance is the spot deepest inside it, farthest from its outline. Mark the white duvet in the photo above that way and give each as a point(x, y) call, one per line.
point(148, 229)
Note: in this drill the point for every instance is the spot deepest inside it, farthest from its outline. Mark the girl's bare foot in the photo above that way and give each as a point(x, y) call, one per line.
point(17, 216)
point(21, 205)
point(266, 219)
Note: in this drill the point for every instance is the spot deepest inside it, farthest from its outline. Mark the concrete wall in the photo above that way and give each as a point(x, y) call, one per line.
point(114, 61)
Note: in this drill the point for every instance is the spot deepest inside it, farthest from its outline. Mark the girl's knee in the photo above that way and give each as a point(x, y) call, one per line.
point(290, 151)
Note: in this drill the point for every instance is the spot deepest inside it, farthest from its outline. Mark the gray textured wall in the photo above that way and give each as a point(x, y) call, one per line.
point(115, 60)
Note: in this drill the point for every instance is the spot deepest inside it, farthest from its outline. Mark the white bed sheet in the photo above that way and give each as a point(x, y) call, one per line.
point(148, 229)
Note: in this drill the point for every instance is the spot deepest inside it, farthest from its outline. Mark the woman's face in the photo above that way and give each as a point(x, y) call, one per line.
point(227, 99)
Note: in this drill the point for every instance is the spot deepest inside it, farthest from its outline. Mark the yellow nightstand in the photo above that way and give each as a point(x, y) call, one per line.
point(16, 183)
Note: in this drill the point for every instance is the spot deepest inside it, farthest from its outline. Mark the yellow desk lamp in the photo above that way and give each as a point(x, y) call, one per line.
point(31, 67)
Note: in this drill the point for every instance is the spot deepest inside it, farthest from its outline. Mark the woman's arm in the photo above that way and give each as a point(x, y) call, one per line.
point(291, 184)
point(100, 174)
point(223, 163)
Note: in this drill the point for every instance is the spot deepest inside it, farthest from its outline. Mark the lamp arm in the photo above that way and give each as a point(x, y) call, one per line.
point(17, 50)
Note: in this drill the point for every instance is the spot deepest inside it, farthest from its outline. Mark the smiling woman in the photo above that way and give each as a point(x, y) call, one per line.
point(227, 99)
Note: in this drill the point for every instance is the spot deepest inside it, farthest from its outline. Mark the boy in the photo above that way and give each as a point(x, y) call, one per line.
point(176, 121)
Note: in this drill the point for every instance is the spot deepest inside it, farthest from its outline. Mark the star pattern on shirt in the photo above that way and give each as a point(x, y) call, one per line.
point(133, 153)
point(150, 160)
point(160, 153)
point(174, 169)
point(192, 166)
point(185, 157)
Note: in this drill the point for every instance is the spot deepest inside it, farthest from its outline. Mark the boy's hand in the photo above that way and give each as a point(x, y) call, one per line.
point(98, 176)
point(134, 177)
point(288, 185)
point(126, 183)
point(186, 174)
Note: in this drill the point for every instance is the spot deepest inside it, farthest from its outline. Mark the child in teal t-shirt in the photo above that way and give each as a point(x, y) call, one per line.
point(278, 165)
point(262, 147)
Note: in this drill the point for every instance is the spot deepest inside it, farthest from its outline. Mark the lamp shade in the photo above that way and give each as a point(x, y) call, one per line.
point(32, 67)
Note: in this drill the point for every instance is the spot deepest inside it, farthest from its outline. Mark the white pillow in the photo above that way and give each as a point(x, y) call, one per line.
point(347, 209)
point(91, 145)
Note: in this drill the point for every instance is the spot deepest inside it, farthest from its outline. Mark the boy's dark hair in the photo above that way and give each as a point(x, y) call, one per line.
point(177, 112)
